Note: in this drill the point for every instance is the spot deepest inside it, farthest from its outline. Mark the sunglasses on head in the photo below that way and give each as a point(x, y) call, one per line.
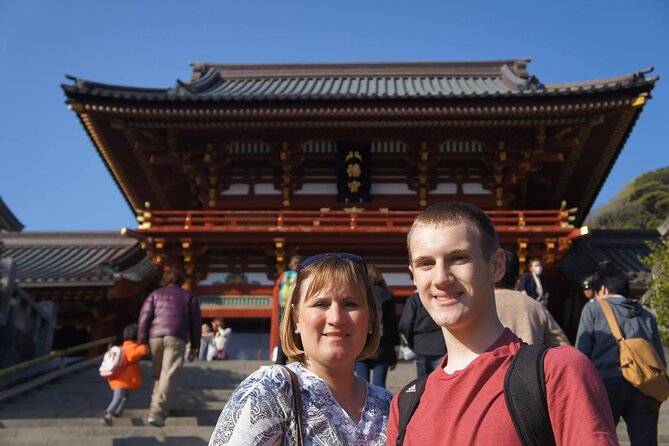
point(342, 255)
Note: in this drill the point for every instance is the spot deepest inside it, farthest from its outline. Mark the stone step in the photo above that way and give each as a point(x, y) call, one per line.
point(95, 422)
point(192, 405)
point(102, 386)
point(112, 440)
point(156, 440)
point(67, 413)
point(210, 383)
point(203, 432)
point(65, 398)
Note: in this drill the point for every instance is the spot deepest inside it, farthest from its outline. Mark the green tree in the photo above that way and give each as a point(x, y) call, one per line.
point(641, 204)
point(658, 262)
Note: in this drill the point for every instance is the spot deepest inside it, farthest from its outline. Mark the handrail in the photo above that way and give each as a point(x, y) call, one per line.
point(235, 220)
point(53, 355)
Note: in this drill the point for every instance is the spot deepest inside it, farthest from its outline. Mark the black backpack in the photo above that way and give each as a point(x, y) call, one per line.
point(524, 392)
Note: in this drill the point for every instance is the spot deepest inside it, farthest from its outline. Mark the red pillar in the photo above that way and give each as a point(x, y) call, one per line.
point(274, 325)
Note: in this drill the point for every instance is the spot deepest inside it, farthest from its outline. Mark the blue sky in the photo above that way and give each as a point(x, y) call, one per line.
point(53, 179)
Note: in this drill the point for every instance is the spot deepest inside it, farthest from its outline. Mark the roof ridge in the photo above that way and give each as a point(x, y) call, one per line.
point(353, 69)
point(79, 239)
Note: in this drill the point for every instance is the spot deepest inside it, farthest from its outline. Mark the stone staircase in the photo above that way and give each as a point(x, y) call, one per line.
point(67, 411)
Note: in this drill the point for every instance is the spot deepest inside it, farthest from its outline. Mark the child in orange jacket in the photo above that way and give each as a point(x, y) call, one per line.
point(128, 378)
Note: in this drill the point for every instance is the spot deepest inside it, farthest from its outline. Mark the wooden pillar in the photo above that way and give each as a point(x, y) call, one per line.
point(98, 329)
point(423, 166)
point(280, 254)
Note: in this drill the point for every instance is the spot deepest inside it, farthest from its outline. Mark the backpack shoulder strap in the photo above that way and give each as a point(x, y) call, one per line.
point(407, 402)
point(525, 395)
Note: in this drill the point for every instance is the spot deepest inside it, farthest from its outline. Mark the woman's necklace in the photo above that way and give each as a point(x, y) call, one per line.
point(359, 398)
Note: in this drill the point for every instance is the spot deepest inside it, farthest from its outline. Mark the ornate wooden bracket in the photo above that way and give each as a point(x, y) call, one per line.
point(426, 159)
point(499, 167)
point(522, 251)
point(551, 244)
point(288, 160)
point(212, 167)
point(280, 254)
point(422, 173)
point(188, 263)
point(160, 255)
point(144, 218)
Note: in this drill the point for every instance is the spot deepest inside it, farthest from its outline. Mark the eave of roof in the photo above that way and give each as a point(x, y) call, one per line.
point(622, 247)
point(309, 82)
point(75, 259)
point(8, 220)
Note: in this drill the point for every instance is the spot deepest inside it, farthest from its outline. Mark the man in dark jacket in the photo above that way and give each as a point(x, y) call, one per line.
point(596, 341)
point(169, 317)
point(424, 336)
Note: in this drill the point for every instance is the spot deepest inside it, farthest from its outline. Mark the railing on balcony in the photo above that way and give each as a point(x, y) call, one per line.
point(333, 221)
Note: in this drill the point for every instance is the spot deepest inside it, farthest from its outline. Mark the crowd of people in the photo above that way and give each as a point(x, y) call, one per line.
point(467, 323)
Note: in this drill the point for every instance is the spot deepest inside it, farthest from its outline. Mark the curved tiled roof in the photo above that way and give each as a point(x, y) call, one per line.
point(75, 259)
point(624, 248)
point(361, 81)
point(8, 221)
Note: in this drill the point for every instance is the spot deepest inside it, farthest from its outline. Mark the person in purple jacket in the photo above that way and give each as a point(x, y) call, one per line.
point(169, 317)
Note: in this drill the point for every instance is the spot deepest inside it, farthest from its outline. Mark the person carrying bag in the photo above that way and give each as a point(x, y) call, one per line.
point(639, 361)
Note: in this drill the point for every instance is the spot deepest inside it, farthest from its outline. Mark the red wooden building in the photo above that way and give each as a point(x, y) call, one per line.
point(235, 170)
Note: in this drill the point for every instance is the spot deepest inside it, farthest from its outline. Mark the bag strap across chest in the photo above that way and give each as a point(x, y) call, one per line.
point(611, 319)
point(297, 404)
point(524, 394)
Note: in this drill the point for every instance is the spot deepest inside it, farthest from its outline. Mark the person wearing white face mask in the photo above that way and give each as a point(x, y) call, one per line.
point(530, 282)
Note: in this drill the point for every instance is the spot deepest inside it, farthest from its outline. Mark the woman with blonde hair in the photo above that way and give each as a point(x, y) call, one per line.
point(331, 321)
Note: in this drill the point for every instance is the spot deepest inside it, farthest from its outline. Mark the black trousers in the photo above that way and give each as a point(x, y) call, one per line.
point(639, 411)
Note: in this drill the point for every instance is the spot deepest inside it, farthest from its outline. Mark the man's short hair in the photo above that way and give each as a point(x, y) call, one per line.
point(615, 282)
point(452, 213)
point(172, 277)
point(510, 278)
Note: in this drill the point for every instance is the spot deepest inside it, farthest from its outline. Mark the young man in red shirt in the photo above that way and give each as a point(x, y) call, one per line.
point(455, 260)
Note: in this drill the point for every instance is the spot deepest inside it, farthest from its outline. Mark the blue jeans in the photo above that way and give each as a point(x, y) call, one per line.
point(426, 364)
point(639, 411)
point(119, 398)
point(378, 368)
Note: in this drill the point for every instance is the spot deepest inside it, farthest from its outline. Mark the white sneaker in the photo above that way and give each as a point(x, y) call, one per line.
point(156, 420)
